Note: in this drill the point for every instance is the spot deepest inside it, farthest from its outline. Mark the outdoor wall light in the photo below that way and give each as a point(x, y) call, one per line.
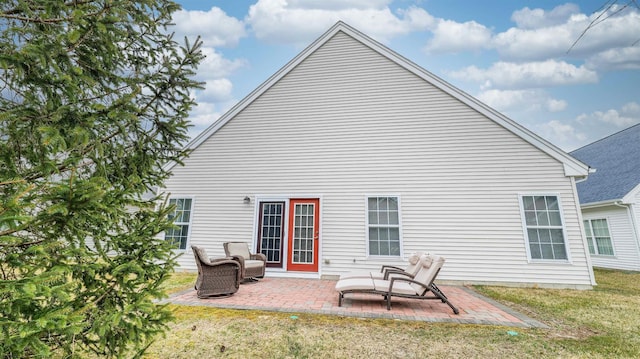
point(247, 199)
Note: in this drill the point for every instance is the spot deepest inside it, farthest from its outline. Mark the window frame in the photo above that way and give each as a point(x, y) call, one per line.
point(592, 239)
point(283, 230)
point(525, 228)
point(189, 223)
point(368, 225)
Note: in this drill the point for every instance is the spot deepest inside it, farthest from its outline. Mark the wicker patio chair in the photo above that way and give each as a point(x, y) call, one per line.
point(418, 287)
point(252, 266)
point(216, 277)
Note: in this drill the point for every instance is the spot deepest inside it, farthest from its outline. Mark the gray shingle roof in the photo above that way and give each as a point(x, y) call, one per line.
point(616, 159)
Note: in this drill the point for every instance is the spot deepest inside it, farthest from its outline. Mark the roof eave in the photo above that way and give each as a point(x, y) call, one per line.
point(605, 203)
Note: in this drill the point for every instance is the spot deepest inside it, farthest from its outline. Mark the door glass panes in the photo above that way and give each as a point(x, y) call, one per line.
point(271, 230)
point(384, 226)
point(303, 233)
point(544, 227)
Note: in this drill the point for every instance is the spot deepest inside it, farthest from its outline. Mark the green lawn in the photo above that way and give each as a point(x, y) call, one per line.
point(602, 323)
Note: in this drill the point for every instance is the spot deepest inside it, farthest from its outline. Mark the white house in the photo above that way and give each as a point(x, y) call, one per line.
point(610, 199)
point(351, 156)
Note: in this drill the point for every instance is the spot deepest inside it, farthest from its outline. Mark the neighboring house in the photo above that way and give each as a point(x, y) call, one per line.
point(351, 156)
point(610, 199)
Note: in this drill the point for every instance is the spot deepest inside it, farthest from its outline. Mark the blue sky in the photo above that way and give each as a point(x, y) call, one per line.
point(512, 55)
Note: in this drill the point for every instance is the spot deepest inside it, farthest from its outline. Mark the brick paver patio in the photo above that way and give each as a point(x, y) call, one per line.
point(319, 296)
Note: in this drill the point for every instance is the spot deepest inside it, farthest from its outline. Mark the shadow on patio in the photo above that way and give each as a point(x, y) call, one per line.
point(319, 296)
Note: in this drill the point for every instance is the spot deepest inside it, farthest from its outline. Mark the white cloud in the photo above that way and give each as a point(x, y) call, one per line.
point(627, 58)
point(521, 100)
point(536, 39)
point(616, 31)
point(215, 65)
point(524, 44)
point(540, 34)
point(216, 90)
point(205, 114)
point(451, 36)
point(300, 22)
point(603, 123)
point(214, 26)
point(536, 18)
point(554, 105)
point(610, 117)
point(216, 29)
point(528, 75)
point(561, 134)
point(338, 4)
point(632, 109)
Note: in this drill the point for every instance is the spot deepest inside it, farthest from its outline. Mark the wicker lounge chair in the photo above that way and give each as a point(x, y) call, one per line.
point(216, 277)
point(388, 271)
point(252, 266)
point(417, 288)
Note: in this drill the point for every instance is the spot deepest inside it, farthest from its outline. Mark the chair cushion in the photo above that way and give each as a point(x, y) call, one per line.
point(430, 265)
point(252, 263)
point(201, 253)
point(372, 274)
point(355, 284)
point(428, 259)
point(399, 287)
point(414, 263)
point(239, 249)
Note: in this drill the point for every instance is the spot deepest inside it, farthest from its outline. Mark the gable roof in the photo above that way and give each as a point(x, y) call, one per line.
point(572, 167)
point(617, 158)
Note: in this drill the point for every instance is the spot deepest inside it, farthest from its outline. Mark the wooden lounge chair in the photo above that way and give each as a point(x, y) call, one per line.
point(418, 287)
point(252, 266)
point(216, 277)
point(387, 271)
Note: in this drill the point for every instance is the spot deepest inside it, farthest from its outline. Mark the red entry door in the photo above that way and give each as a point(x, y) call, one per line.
point(304, 235)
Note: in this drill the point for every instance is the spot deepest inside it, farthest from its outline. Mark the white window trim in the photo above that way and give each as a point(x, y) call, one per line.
point(190, 223)
point(525, 233)
point(366, 226)
point(613, 247)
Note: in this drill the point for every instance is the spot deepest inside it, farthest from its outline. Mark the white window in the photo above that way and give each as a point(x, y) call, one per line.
point(181, 217)
point(598, 237)
point(544, 228)
point(383, 224)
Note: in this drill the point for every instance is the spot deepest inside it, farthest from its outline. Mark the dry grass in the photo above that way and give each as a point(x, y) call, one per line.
point(604, 322)
point(592, 324)
point(179, 281)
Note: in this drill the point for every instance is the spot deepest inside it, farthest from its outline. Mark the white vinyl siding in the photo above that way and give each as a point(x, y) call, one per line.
point(181, 217)
point(383, 226)
point(598, 237)
point(347, 122)
point(623, 237)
